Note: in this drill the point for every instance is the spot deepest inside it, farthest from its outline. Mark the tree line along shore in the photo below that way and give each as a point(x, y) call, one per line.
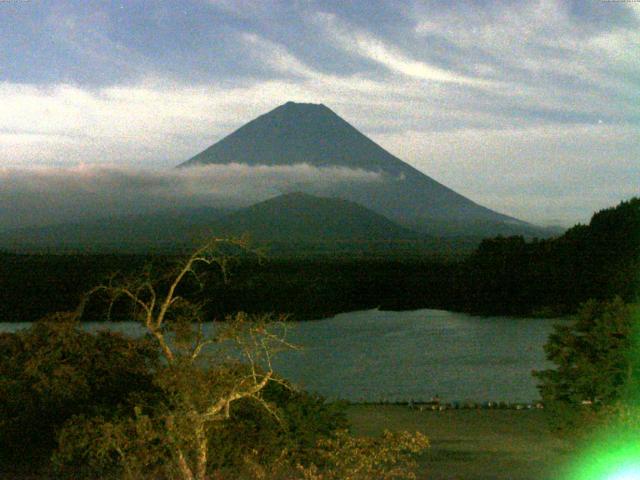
point(75, 404)
point(502, 276)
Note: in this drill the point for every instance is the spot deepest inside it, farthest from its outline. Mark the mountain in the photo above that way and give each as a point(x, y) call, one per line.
point(401, 203)
point(294, 218)
point(167, 230)
point(297, 133)
point(306, 218)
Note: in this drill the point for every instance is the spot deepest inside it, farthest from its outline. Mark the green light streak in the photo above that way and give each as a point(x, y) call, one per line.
point(615, 457)
point(614, 452)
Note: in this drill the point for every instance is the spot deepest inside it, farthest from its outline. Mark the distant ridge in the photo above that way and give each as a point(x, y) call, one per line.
point(302, 217)
point(296, 133)
point(168, 230)
point(289, 218)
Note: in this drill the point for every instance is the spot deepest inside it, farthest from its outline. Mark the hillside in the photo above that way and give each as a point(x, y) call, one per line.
point(303, 217)
point(508, 275)
point(169, 230)
point(296, 219)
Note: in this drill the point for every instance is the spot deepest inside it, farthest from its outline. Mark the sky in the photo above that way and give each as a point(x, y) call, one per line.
point(531, 108)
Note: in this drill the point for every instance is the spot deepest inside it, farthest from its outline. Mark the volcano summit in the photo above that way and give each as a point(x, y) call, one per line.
point(304, 133)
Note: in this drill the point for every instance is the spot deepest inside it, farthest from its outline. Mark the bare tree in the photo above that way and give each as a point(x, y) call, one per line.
point(203, 375)
point(200, 377)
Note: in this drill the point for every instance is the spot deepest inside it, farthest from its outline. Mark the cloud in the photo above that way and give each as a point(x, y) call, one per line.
point(459, 91)
point(278, 57)
point(542, 42)
point(376, 50)
point(149, 123)
point(41, 196)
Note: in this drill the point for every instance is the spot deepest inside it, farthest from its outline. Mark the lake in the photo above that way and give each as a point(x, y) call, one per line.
point(377, 355)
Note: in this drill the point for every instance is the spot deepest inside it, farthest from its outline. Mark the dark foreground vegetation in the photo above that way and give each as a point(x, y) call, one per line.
point(502, 276)
point(81, 405)
point(178, 405)
point(174, 404)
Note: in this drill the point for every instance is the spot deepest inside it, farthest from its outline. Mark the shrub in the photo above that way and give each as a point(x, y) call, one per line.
point(55, 370)
point(596, 363)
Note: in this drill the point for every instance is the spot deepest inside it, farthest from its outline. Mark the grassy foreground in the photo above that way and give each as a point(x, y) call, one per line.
point(473, 444)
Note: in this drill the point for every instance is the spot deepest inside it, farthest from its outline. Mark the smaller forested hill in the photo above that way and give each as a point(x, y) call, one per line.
point(304, 217)
point(599, 260)
point(298, 220)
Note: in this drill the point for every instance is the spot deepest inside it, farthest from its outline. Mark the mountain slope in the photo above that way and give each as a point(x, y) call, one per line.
point(302, 217)
point(308, 133)
point(160, 231)
point(289, 218)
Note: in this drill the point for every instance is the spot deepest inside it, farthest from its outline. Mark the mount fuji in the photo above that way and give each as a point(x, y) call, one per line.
point(312, 134)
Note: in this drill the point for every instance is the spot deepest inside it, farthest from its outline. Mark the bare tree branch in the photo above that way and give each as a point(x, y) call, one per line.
point(200, 404)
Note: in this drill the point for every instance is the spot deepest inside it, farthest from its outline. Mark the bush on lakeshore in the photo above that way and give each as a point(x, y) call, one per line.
point(597, 365)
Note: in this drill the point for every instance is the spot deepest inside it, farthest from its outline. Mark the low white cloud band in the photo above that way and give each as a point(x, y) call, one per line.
point(41, 196)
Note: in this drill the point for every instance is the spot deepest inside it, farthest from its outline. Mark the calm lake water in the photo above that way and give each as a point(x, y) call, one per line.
point(413, 355)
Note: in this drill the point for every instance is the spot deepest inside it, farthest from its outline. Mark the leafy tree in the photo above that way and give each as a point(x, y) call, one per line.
point(302, 419)
point(596, 362)
point(55, 370)
point(386, 458)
